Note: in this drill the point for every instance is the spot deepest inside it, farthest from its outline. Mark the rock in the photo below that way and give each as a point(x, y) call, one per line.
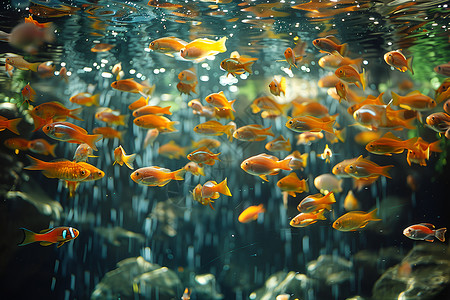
point(423, 274)
point(330, 269)
point(204, 287)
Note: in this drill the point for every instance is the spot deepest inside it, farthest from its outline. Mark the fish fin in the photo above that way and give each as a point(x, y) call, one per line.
point(384, 171)
point(201, 171)
point(332, 198)
point(292, 193)
point(73, 113)
point(248, 67)
point(409, 62)
point(179, 174)
point(320, 215)
point(92, 139)
point(429, 239)
point(60, 244)
point(34, 67)
point(343, 49)
point(440, 234)
point(328, 126)
point(232, 105)
point(46, 230)
point(166, 110)
point(45, 243)
point(36, 164)
point(28, 238)
point(284, 164)
point(12, 125)
point(435, 146)
point(373, 215)
point(51, 150)
point(430, 226)
point(268, 131)
point(223, 188)
point(229, 131)
point(362, 77)
point(263, 177)
point(128, 160)
point(220, 45)
point(95, 99)
point(170, 126)
point(395, 99)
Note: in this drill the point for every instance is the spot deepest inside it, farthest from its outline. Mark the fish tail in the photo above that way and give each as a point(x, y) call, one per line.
point(194, 88)
point(120, 135)
point(395, 99)
point(341, 134)
point(328, 126)
point(284, 164)
point(362, 77)
point(34, 67)
point(330, 198)
point(72, 186)
point(214, 156)
point(166, 110)
point(201, 171)
point(283, 85)
point(304, 157)
point(357, 62)
point(170, 126)
point(320, 215)
point(232, 105)
point(51, 150)
point(372, 216)
point(229, 131)
point(268, 131)
point(384, 171)
point(409, 62)
point(123, 120)
point(223, 188)
point(73, 113)
point(440, 234)
point(435, 146)
point(129, 159)
point(95, 99)
point(220, 45)
point(12, 125)
point(306, 186)
point(248, 67)
point(343, 49)
point(179, 174)
point(36, 164)
point(91, 139)
point(30, 237)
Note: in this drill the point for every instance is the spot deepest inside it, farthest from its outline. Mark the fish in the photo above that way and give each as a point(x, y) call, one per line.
point(17, 144)
point(330, 44)
point(138, 103)
point(252, 133)
point(336, 60)
point(186, 294)
point(306, 138)
point(389, 144)
point(443, 69)
point(264, 164)
point(188, 76)
point(341, 90)
point(365, 137)
point(21, 64)
point(63, 169)
point(194, 168)
point(268, 104)
point(351, 75)
point(56, 111)
point(439, 122)
point(235, 67)
point(278, 88)
point(28, 93)
point(328, 81)
point(102, 47)
point(293, 185)
point(219, 100)
point(172, 150)
point(112, 117)
point(298, 160)
point(291, 58)
point(339, 169)
point(425, 232)
point(155, 110)
point(161, 123)
point(150, 137)
point(397, 60)
point(444, 96)
point(363, 168)
point(413, 101)
point(203, 156)
point(197, 196)
point(210, 188)
point(83, 152)
point(47, 237)
point(326, 154)
point(85, 99)
point(201, 48)
point(306, 219)
point(326, 183)
point(251, 213)
point(9, 70)
point(279, 144)
point(46, 69)
point(309, 108)
point(309, 123)
point(63, 74)
point(167, 45)
point(374, 117)
point(355, 220)
point(187, 89)
point(209, 143)
point(350, 201)
point(109, 133)
point(215, 128)
point(71, 133)
point(117, 70)
point(131, 86)
point(156, 176)
point(316, 202)
point(121, 157)
point(41, 146)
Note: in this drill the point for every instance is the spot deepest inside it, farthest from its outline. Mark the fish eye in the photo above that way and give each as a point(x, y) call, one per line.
point(246, 163)
point(432, 118)
point(47, 128)
point(439, 68)
point(291, 122)
point(137, 173)
point(370, 146)
point(390, 55)
point(99, 173)
point(152, 44)
point(82, 172)
point(350, 167)
point(340, 71)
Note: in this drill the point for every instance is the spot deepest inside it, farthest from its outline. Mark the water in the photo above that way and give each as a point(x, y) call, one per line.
point(208, 250)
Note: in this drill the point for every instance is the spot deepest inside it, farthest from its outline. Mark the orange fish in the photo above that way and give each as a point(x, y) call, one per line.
point(330, 44)
point(95, 175)
point(219, 100)
point(85, 99)
point(363, 168)
point(252, 132)
point(369, 100)
point(194, 168)
point(235, 67)
point(9, 70)
point(339, 169)
point(268, 104)
point(188, 76)
point(314, 109)
point(276, 88)
point(46, 69)
point(172, 150)
point(150, 137)
point(444, 96)
point(17, 144)
point(328, 81)
point(291, 59)
point(309, 123)
point(306, 219)
point(131, 86)
point(375, 117)
point(21, 64)
point(82, 153)
point(47, 237)
point(326, 155)
point(443, 69)
point(64, 170)
point(112, 117)
point(365, 137)
point(216, 128)
point(316, 202)
point(197, 196)
point(56, 111)
point(161, 123)
point(11, 125)
point(210, 188)
point(413, 101)
point(397, 60)
point(102, 47)
point(264, 164)
point(156, 176)
point(425, 232)
point(279, 144)
point(439, 122)
point(121, 157)
point(41, 146)
point(341, 90)
point(167, 45)
point(298, 161)
point(350, 201)
point(63, 74)
point(200, 48)
point(293, 185)
point(209, 143)
point(336, 60)
point(355, 220)
point(28, 94)
point(185, 88)
point(138, 103)
point(155, 110)
point(186, 294)
point(306, 138)
point(351, 75)
point(389, 144)
point(109, 133)
point(251, 213)
point(203, 156)
point(68, 132)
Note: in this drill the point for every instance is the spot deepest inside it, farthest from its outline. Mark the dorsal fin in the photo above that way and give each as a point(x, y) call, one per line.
point(46, 230)
point(416, 92)
point(390, 135)
point(431, 226)
point(293, 175)
point(333, 38)
point(203, 148)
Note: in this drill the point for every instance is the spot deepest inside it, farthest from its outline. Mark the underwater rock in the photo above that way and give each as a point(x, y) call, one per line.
point(423, 274)
point(205, 287)
point(167, 214)
point(330, 269)
point(112, 235)
point(136, 275)
point(291, 283)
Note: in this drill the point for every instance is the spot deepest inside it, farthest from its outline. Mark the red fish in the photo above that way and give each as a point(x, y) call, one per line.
point(47, 237)
point(425, 232)
point(11, 125)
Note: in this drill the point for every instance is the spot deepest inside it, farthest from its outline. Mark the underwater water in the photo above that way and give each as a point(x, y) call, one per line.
point(149, 233)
